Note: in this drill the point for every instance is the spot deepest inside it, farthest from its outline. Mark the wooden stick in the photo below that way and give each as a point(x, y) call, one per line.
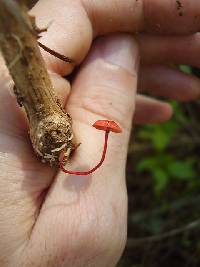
point(50, 127)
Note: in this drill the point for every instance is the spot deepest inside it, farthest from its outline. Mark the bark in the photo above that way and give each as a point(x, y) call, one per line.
point(50, 127)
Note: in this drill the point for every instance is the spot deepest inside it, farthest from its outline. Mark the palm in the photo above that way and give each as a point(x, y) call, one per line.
point(24, 177)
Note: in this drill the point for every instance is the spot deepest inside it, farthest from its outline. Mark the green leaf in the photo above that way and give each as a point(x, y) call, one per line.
point(186, 69)
point(159, 135)
point(161, 179)
point(183, 170)
point(147, 164)
point(161, 140)
point(179, 115)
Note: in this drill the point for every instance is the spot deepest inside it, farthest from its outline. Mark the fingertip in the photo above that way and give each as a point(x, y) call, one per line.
point(169, 83)
point(151, 111)
point(120, 50)
point(192, 92)
point(167, 112)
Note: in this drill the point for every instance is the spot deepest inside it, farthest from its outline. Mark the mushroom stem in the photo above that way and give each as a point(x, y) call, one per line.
point(94, 168)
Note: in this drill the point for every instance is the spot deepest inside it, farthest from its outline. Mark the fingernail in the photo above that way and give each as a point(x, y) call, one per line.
point(121, 51)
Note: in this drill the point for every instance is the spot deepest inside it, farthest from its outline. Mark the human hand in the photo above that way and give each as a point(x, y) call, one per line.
point(49, 218)
point(171, 39)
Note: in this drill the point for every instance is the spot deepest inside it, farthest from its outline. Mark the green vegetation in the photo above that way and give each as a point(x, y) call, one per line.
point(163, 186)
point(163, 165)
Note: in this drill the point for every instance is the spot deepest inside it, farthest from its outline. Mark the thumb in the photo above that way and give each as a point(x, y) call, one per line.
point(105, 88)
point(107, 82)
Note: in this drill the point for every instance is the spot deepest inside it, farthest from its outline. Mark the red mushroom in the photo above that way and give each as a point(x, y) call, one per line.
point(104, 125)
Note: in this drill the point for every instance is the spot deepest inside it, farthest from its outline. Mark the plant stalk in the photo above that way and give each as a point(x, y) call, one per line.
point(49, 126)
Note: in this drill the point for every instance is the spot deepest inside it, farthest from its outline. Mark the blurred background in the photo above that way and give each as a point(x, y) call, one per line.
point(163, 180)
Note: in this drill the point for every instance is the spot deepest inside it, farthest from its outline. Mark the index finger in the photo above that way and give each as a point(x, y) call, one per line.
point(74, 24)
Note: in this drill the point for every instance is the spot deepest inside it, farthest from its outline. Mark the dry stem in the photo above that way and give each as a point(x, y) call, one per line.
point(50, 126)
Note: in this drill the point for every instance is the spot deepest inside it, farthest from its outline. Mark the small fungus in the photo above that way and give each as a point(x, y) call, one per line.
point(104, 125)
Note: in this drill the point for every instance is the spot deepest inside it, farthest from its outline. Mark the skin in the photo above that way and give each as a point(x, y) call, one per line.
point(48, 218)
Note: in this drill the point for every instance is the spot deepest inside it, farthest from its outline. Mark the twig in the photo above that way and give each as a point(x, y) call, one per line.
point(50, 127)
point(177, 206)
point(135, 242)
point(56, 54)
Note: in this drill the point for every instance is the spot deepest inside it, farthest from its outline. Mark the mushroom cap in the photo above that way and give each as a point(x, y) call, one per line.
point(106, 125)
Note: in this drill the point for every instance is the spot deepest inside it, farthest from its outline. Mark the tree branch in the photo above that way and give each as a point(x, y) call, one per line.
point(50, 127)
point(136, 242)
